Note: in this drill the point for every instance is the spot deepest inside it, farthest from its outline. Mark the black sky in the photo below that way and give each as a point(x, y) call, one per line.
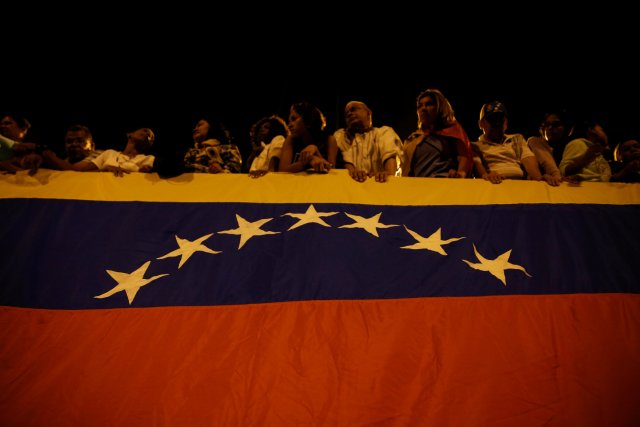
point(164, 80)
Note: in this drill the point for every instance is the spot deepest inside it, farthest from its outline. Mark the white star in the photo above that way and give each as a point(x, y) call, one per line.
point(370, 225)
point(309, 217)
point(130, 282)
point(432, 243)
point(247, 230)
point(188, 248)
point(495, 266)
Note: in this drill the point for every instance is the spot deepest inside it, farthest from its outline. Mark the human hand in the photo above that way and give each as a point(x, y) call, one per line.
point(215, 167)
point(358, 175)
point(632, 167)
point(257, 173)
point(552, 180)
point(319, 164)
point(492, 177)
point(117, 170)
point(380, 176)
point(31, 161)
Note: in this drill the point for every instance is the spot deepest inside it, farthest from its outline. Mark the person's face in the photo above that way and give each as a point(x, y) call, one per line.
point(10, 129)
point(77, 144)
point(143, 139)
point(357, 116)
point(263, 132)
point(597, 135)
point(494, 126)
point(296, 124)
point(427, 111)
point(553, 128)
point(201, 130)
point(630, 150)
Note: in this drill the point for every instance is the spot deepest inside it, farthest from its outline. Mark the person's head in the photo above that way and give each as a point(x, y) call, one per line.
point(306, 118)
point(267, 128)
point(629, 150)
point(434, 110)
point(207, 128)
point(78, 143)
point(142, 139)
point(493, 120)
point(357, 116)
point(591, 128)
point(556, 127)
point(15, 127)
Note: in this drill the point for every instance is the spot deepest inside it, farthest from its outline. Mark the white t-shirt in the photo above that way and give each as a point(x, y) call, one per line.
point(273, 149)
point(118, 159)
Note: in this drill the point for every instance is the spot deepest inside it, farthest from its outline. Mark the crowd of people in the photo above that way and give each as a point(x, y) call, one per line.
point(565, 149)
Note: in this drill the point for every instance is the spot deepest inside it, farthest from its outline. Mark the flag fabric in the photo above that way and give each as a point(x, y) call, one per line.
point(295, 300)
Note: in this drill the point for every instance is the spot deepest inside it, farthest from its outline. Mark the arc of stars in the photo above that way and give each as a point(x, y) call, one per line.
point(130, 283)
point(370, 225)
point(311, 216)
point(246, 230)
point(432, 243)
point(495, 266)
point(186, 248)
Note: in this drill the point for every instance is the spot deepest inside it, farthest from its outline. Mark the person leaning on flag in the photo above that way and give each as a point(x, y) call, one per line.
point(439, 148)
point(309, 146)
point(367, 151)
point(499, 156)
point(134, 158)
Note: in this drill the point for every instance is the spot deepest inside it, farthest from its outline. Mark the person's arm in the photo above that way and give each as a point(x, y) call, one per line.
point(232, 158)
point(627, 171)
point(583, 161)
point(465, 162)
point(274, 162)
point(55, 162)
point(463, 166)
point(332, 150)
point(286, 158)
point(484, 173)
point(577, 155)
point(530, 164)
point(390, 168)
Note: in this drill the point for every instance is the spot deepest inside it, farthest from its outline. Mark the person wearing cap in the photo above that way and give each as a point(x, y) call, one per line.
point(439, 148)
point(367, 151)
point(134, 158)
point(498, 155)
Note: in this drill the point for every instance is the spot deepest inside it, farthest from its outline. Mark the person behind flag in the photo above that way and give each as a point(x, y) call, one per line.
point(79, 144)
point(626, 168)
point(134, 158)
point(309, 146)
point(213, 150)
point(267, 136)
point(583, 157)
point(16, 153)
point(368, 151)
point(14, 129)
point(499, 156)
point(554, 134)
point(440, 147)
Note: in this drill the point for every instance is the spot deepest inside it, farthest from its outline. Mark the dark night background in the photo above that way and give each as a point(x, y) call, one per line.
point(134, 73)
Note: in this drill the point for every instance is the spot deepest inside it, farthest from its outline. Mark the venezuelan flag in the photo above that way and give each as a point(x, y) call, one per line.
point(314, 300)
